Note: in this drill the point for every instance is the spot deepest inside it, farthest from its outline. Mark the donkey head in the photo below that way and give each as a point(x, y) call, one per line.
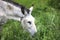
point(28, 22)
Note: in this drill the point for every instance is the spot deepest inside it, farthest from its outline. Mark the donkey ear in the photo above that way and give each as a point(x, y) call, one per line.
point(31, 9)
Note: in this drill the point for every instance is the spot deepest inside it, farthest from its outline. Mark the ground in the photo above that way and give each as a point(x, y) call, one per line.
point(47, 22)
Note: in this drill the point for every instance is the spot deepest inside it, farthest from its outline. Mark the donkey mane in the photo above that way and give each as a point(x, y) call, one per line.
point(18, 5)
point(12, 10)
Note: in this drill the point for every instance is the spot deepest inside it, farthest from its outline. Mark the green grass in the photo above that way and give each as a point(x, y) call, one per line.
point(47, 22)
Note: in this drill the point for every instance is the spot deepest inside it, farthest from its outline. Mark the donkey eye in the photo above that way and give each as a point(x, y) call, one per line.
point(29, 22)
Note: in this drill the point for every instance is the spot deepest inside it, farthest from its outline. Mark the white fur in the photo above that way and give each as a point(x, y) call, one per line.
point(30, 27)
point(16, 14)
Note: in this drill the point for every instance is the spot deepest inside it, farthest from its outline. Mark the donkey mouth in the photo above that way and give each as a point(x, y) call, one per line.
point(33, 32)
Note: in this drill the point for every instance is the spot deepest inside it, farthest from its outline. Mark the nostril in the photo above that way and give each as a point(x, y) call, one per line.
point(33, 32)
point(33, 36)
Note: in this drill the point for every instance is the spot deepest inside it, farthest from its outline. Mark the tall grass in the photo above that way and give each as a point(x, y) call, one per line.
point(47, 22)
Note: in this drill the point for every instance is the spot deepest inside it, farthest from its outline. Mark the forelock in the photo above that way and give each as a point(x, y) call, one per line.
point(30, 18)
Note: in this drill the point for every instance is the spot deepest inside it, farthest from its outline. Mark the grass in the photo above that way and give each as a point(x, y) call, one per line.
point(47, 22)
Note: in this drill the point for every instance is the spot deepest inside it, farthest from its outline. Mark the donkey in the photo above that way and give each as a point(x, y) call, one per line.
point(12, 10)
